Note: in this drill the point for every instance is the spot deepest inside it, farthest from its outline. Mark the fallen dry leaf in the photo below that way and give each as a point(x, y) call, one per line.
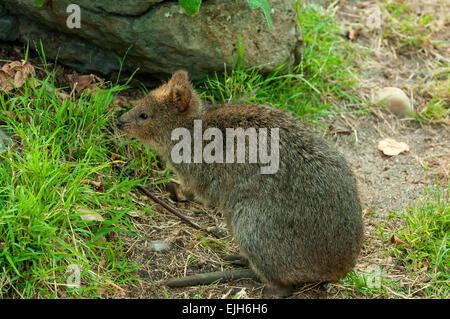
point(13, 74)
point(396, 241)
point(348, 33)
point(391, 147)
point(111, 235)
point(81, 83)
point(351, 34)
point(95, 183)
point(89, 215)
point(58, 92)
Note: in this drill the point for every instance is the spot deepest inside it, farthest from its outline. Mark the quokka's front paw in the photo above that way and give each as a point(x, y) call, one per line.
point(176, 193)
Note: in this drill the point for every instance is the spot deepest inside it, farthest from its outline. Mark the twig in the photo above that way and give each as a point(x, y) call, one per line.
point(109, 282)
point(168, 207)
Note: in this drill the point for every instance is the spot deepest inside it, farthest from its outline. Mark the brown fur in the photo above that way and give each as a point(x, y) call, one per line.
point(301, 224)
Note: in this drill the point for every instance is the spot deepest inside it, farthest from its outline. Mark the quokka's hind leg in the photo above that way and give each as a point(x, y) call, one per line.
point(272, 286)
point(279, 291)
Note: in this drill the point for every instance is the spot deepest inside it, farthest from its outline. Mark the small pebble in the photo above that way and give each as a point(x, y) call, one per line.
point(158, 245)
point(395, 99)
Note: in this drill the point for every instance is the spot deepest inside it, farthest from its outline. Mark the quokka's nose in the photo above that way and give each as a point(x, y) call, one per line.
point(119, 125)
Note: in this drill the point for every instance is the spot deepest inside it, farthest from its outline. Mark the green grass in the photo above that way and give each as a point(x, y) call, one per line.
point(63, 146)
point(407, 28)
point(426, 243)
point(436, 110)
point(420, 265)
point(310, 90)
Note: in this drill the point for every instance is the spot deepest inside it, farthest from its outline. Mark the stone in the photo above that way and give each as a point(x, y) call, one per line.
point(123, 7)
point(158, 37)
point(8, 28)
point(395, 99)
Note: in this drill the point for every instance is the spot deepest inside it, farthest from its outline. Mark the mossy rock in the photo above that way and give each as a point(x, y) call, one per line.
point(160, 36)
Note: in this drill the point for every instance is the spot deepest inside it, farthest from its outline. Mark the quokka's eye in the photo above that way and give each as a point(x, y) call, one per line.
point(143, 116)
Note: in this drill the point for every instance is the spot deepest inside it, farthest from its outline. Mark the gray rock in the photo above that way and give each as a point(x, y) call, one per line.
point(395, 100)
point(8, 28)
point(161, 36)
point(123, 7)
point(3, 10)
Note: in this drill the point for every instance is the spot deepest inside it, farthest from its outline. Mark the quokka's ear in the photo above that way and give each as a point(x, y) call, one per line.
point(183, 98)
point(180, 77)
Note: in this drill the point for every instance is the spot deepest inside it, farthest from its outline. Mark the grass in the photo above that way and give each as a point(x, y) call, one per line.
point(437, 108)
point(410, 28)
point(310, 90)
point(418, 246)
point(47, 180)
point(422, 245)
